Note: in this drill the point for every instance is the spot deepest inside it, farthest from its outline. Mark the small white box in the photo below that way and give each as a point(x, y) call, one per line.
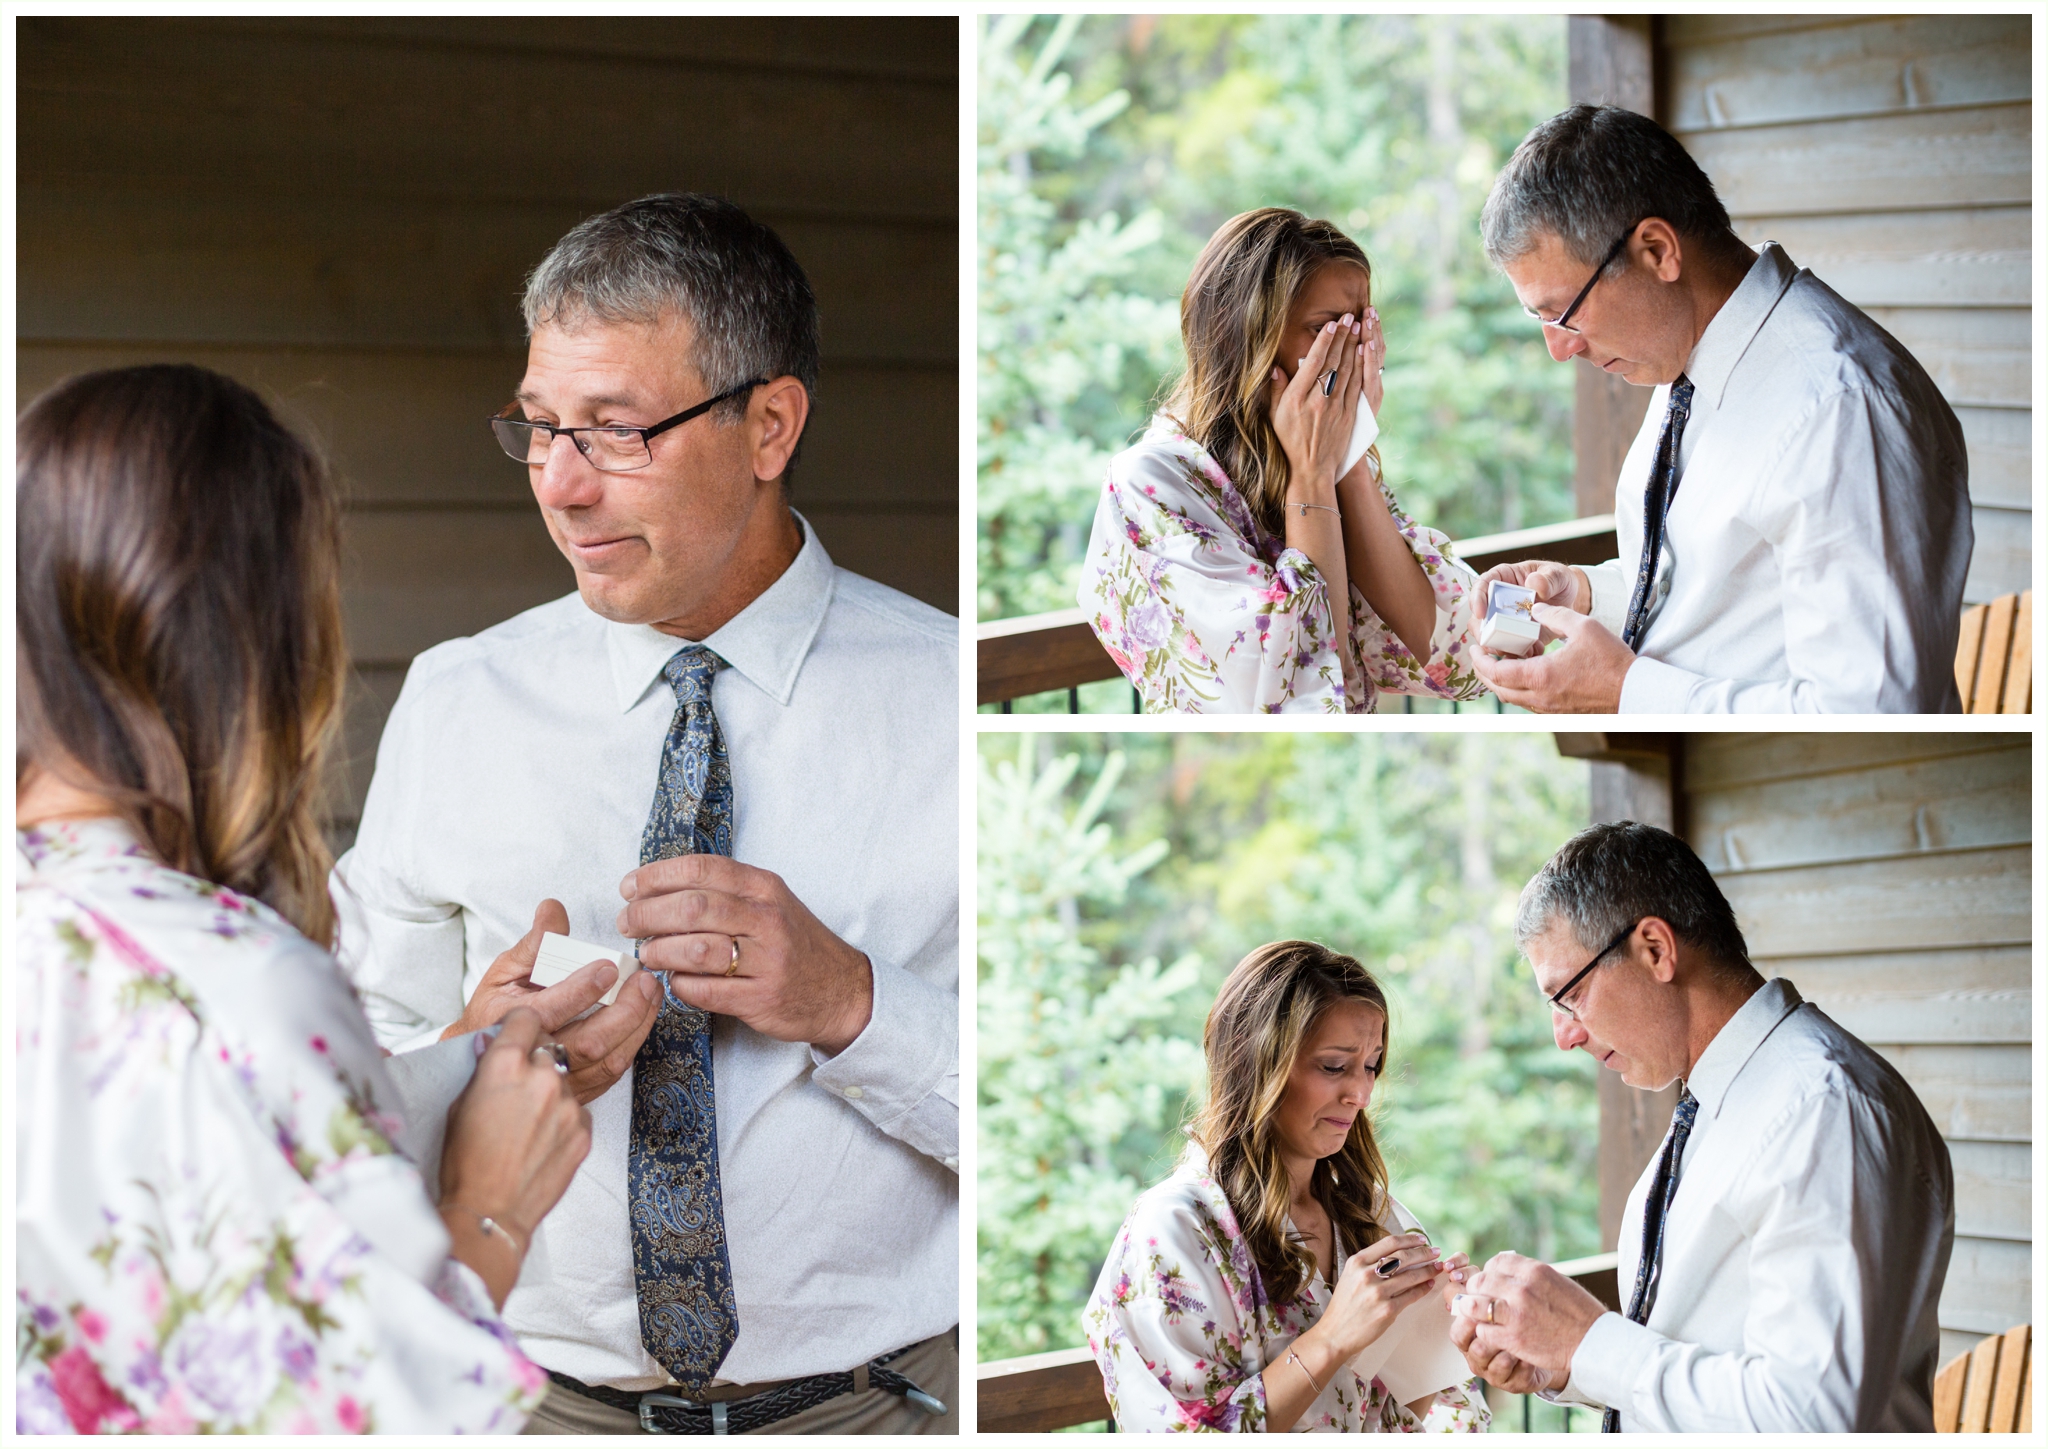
point(1509, 628)
point(560, 958)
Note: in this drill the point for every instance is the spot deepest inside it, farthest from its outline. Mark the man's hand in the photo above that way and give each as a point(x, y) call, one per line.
point(1584, 677)
point(1552, 583)
point(1500, 1368)
point(601, 1045)
point(1539, 1318)
point(792, 980)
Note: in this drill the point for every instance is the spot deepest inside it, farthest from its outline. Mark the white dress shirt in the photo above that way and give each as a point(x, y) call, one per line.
point(520, 764)
point(1815, 550)
point(1804, 1252)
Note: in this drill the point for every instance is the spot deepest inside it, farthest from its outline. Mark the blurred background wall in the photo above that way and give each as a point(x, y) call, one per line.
point(342, 212)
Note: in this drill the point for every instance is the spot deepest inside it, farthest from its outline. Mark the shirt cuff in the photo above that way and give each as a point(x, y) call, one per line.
point(1611, 590)
point(1611, 1361)
point(895, 1072)
point(1653, 687)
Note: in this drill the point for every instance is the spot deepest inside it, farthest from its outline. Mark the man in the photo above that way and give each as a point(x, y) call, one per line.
point(1783, 1256)
point(739, 762)
point(1794, 515)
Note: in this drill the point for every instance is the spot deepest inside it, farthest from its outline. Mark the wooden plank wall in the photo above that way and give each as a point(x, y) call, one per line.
point(1890, 154)
point(341, 213)
point(1889, 877)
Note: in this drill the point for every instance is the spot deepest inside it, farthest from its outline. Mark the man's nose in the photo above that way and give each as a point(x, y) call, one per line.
point(1566, 1031)
point(1563, 345)
point(566, 479)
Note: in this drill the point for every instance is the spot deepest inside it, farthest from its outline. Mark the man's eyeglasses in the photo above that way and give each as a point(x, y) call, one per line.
point(610, 450)
point(1563, 320)
point(1557, 1002)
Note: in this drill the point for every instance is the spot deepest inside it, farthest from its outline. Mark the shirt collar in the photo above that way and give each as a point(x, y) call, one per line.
point(1732, 1047)
point(766, 642)
point(1728, 336)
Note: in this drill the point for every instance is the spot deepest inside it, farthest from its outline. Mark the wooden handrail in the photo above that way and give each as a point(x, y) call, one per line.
point(1057, 1390)
point(1040, 652)
point(1038, 1392)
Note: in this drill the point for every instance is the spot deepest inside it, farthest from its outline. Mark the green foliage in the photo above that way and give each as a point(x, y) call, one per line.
point(1406, 850)
point(1077, 1083)
point(1061, 343)
point(1392, 126)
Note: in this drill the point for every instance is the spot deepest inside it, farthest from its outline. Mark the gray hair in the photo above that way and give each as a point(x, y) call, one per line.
point(750, 307)
point(1609, 875)
point(1590, 173)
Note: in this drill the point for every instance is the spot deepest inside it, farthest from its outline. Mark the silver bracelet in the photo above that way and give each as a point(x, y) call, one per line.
point(1291, 1358)
point(1305, 507)
point(490, 1225)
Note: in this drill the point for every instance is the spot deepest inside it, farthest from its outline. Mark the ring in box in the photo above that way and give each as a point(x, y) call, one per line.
point(1509, 628)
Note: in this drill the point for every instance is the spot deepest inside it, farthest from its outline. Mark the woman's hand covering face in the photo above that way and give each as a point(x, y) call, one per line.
point(1315, 425)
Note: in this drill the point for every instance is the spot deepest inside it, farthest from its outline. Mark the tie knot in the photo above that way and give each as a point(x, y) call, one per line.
point(1681, 392)
point(1688, 1108)
point(689, 673)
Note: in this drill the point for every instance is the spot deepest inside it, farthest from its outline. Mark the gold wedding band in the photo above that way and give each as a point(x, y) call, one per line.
point(733, 968)
point(1489, 1309)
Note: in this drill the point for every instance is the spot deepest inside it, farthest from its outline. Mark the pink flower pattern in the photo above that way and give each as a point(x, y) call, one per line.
point(1204, 611)
point(208, 1170)
point(1182, 1330)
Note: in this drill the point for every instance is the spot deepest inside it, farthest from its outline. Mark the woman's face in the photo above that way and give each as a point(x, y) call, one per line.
point(1332, 1080)
point(1332, 290)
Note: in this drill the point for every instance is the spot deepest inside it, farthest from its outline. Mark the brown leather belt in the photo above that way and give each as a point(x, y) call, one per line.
point(742, 1408)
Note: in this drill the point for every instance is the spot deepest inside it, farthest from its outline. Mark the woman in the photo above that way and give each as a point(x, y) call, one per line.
point(1231, 568)
point(1215, 1309)
point(215, 1232)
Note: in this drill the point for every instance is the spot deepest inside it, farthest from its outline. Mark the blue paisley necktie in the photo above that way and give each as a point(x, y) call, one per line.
point(1657, 497)
point(1663, 1187)
point(684, 1279)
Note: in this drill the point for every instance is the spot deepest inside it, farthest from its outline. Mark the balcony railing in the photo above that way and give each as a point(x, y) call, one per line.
point(1062, 1389)
point(1041, 653)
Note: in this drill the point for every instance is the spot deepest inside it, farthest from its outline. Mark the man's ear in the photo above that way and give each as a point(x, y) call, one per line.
point(1661, 943)
point(1658, 247)
point(775, 421)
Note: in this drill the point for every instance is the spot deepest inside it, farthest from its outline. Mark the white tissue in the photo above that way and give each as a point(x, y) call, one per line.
point(1363, 434)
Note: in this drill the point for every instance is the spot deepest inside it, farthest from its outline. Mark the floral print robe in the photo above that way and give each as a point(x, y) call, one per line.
point(214, 1232)
point(1206, 612)
point(1181, 1327)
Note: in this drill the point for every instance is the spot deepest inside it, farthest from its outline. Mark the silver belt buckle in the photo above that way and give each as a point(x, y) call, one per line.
point(650, 1402)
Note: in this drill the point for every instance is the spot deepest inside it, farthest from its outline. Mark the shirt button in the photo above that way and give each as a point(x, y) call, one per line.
point(854, 1093)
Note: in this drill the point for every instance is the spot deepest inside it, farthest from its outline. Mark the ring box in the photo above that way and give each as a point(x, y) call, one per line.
point(1508, 627)
point(559, 958)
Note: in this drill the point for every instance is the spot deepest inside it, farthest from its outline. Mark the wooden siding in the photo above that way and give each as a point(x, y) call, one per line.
point(1889, 877)
point(1892, 156)
point(341, 212)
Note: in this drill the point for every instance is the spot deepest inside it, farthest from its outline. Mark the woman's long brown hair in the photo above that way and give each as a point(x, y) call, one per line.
point(178, 623)
point(1233, 317)
point(1262, 1016)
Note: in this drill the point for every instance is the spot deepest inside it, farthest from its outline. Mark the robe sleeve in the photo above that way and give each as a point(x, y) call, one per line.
point(1196, 618)
point(1389, 665)
point(1165, 1329)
